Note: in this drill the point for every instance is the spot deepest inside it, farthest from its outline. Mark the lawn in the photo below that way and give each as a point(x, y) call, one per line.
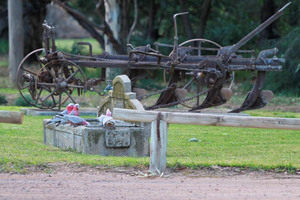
point(70, 45)
point(22, 146)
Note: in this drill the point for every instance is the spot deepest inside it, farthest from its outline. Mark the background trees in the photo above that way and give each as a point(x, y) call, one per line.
point(224, 22)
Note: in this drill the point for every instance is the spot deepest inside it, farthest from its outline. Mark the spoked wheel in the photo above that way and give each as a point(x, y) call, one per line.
point(194, 47)
point(27, 75)
point(47, 85)
point(207, 80)
point(57, 81)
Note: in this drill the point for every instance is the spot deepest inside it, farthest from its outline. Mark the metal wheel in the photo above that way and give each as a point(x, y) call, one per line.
point(27, 74)
point(194, 47)
point(56, 82)
point(47, 85)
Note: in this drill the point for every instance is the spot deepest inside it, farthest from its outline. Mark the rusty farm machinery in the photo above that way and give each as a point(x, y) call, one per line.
point(52, 77)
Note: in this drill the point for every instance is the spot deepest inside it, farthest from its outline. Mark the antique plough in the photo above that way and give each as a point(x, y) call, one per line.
point(52, 77)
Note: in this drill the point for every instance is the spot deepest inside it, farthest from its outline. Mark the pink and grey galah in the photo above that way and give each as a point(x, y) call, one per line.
point(68, 109)
point(75, 110)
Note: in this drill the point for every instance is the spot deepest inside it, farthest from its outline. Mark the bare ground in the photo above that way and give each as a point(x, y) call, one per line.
point(65, 181)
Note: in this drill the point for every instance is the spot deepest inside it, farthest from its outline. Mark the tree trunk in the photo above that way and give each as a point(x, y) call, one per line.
point(267, 11)
point(34, 16)
point(204, 16)
point(112, 19)
point(186, 21)
point(16, 37)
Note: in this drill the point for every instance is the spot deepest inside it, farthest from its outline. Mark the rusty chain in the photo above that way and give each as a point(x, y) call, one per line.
point(177, 102)
point(154, 93)
point(184, 100)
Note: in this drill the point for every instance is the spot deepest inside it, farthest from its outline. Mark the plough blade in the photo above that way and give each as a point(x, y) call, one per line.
point(257, 98)
point(180, 93)
point(215, 97)
point(167, 96)
point(262, 100)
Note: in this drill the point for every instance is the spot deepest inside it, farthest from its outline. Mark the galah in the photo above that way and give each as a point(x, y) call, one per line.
point(72, 119)
point(68, 109)
point(75, 120)
point(108, 113)
point(75, 110)
point(106, 120)
point(56, 119)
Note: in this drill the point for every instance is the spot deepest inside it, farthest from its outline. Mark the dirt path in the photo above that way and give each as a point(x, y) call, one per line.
point(67, 182)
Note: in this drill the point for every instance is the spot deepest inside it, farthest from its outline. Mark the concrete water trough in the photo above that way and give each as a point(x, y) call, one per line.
point(124, 139)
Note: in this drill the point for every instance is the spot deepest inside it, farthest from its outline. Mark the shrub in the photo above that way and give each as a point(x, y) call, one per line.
point(3, 46)
point(3, 99)
point(287, 81)
point(20, 101)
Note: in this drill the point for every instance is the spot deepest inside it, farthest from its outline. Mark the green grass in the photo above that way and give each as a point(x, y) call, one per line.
point(263, 113)
point(67, 45)
point(22, 146)
point(239, 147)
point(9, 91)
point(278, 100)
point(4, 61)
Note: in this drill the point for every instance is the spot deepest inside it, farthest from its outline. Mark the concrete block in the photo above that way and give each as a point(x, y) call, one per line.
point(123, 140)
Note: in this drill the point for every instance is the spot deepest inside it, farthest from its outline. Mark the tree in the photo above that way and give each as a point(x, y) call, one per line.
point(268, 9)
point(34, 16)
point(31, 13)
point(115, 18)
point(16, 37)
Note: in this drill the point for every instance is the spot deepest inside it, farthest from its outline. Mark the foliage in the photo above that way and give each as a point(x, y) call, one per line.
point(22, 146)
point(287, 81)
point(3, 46)
point(150, 83)
point(3, 99)
point(227, 23)
point(76, 49)
point(20, 101)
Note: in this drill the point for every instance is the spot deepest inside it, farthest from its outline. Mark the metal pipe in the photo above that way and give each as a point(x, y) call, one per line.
point(175, 48)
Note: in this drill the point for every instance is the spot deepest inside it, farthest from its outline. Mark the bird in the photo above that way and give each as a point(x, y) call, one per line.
point(108, 112)
point(71, 119)
point(56, 119)
point(75, 120)
point(68, 109)
point(106, 120)
point(75, 110)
